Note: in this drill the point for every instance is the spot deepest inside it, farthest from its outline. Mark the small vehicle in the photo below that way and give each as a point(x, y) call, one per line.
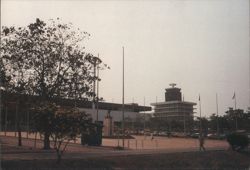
point(195, 135)
point(216, 136)
point(248, 136)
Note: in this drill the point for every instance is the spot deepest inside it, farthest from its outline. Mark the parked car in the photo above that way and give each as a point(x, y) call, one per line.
point(162, 134)
point(248, 136)
point(195, 135)
point(155, 133)
point(212, 136)
point(222, 136)
point(216, 136)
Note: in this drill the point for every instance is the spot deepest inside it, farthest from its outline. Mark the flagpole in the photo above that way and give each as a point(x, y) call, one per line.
point(200, 112)
point(123, 97)
point(217, 108)
point(235, 112)
point(235, 101)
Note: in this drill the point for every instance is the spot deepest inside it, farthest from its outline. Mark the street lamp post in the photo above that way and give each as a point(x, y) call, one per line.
point(95, 61)
point(97, 90)
point(97, 95)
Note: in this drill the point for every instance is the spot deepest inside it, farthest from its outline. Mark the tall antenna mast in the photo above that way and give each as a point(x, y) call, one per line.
point(172, 85)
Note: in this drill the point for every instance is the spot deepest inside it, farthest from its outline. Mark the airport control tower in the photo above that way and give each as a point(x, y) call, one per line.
point(174, 109)
point(173, 93)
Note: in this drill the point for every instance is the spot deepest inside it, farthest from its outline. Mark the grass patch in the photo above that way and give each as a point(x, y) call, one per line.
point(193, 160)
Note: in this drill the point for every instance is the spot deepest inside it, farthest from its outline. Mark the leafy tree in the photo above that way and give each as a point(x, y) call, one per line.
point(202, 124)
point(244, 122)
point(47, 60)
point(223, 123)
point(12, 61)
point(11, 71)
point(176, 126)
point(237, 119)
point(213, 122)
point(68, 125)
point(42, 119)
point(232, 119)
point(4, 79)
point(62, 124)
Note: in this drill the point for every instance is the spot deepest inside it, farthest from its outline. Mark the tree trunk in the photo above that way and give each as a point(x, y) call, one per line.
point(19, 137)
point(19, 134)
point(46, 141)
point(35, 140)
point(59, 156)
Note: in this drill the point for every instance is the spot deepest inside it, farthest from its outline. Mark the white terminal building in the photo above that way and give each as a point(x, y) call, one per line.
point(174, 108)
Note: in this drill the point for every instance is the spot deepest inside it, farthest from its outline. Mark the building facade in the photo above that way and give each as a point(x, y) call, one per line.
point(15, 107)
point(174, 109)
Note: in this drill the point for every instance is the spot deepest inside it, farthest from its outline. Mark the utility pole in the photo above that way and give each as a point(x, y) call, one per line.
point(95, 61)
point(144, 123)
point(97, 100)
point(123, 128)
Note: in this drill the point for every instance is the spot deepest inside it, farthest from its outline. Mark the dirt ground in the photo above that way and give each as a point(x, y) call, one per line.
point(169, 153)
point(145, 142)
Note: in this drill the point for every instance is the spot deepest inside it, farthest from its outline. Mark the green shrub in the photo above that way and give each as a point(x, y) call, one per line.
point(237, 141)
point(119, 148)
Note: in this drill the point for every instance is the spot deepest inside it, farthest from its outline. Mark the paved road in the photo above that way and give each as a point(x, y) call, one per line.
point(75, 151)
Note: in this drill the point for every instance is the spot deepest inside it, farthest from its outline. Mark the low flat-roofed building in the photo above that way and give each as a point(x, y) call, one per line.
point(10, 107)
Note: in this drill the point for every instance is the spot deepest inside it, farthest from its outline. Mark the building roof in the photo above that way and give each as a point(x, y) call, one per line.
point(133, 107)
point(172, 102)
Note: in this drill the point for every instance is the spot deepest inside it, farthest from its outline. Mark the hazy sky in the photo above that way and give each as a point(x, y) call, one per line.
point(202, 45)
